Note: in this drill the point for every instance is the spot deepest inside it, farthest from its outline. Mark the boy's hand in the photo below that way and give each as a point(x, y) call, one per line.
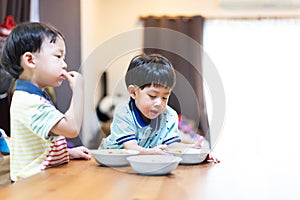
point(212, 158)
point(74, 79)
point(159, 149)
point(80, 152)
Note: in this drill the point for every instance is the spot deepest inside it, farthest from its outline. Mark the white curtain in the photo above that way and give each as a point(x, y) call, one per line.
point(259, 63)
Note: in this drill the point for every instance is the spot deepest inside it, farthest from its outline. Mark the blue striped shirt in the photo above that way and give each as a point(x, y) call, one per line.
point(128, 125)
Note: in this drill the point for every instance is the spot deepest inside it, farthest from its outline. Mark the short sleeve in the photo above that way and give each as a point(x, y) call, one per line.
point(122, 127)
point(43, 119)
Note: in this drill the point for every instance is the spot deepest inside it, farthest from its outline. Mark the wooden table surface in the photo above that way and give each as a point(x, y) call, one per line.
point(249, 178)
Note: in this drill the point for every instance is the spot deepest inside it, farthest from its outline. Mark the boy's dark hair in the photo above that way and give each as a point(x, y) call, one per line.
point(25, 37)
point(146, 70)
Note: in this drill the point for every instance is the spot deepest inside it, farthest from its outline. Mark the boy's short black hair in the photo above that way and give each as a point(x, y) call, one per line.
point(146, 70)
point(25, 37)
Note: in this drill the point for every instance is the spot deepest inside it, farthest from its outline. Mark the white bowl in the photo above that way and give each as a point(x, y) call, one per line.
point(188, 155)
point(113, 157)
point(153, 164)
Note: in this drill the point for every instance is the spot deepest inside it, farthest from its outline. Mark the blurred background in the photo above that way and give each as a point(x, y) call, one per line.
point(252, 45)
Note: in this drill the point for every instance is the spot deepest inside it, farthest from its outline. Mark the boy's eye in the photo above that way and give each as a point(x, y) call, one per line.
point(152, 96)
point(58, 56)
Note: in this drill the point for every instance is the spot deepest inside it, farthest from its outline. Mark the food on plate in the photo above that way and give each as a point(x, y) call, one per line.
point(117, 152)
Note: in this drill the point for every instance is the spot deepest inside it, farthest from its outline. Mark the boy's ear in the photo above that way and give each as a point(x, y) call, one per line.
point(132, 90)
point(28, 60)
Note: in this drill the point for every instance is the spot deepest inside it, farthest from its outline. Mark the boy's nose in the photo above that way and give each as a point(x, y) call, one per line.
point(65, 66)
point(158, 102)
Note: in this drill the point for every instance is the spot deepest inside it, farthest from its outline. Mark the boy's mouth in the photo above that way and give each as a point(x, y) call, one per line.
point(153, 112)
point(63, 77)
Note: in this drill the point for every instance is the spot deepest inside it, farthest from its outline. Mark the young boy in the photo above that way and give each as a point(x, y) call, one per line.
point(34, 54)
point(147, 123)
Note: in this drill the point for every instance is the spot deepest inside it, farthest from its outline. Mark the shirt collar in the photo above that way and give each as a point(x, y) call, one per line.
point(138, 116)
point(29, 87)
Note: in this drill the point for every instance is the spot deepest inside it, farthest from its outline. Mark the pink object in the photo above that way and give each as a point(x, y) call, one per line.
point(185, 127)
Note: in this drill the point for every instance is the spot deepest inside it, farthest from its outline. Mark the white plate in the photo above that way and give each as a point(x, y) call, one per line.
point(113, 157)
point(188, 155)
point(153, 164)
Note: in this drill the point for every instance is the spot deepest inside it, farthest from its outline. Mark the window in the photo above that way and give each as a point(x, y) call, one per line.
point(259, 63)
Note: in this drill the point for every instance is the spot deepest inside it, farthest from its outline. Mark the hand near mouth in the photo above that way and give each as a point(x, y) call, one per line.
point(74, 78)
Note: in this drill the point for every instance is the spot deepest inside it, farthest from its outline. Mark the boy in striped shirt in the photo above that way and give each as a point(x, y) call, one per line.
point(34, 54)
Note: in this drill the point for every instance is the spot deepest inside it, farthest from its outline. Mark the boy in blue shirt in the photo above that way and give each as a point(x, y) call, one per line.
point(146, 123)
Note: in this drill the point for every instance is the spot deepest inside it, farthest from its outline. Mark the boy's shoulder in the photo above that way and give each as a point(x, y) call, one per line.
point(169, 110)
point(122, 108)
point(25, 98)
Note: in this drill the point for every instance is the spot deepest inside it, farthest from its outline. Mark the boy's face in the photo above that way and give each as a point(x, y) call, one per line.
point(151, 101)
point(50, 64)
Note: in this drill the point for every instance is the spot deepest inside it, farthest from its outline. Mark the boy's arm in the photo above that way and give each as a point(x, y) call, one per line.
point(70, 125)
point(180, 145)
point(197, 144)
point(132, 144)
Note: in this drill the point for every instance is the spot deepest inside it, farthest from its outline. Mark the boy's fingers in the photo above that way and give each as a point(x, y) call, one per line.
point(69, 74)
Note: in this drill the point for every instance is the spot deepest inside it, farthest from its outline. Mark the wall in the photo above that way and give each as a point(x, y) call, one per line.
point(56, 13)
point(116, 25)
point(65, 15)
point(104, 22)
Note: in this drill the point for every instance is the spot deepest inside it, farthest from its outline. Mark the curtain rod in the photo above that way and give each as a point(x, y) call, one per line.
point(170, 17)
point(227, 16)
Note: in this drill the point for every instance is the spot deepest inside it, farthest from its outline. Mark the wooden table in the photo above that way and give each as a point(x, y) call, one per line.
point(233, 178)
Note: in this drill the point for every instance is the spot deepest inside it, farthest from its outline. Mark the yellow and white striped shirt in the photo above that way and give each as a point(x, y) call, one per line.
point(32, 147)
